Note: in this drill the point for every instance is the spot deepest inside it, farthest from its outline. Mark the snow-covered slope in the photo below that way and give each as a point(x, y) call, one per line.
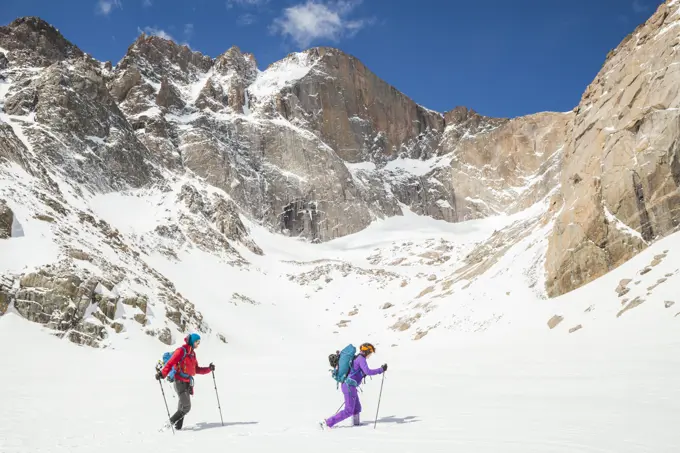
point(607, 387)
point(402, 278)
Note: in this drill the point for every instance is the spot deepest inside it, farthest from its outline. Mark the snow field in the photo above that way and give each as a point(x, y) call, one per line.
point(516, 396)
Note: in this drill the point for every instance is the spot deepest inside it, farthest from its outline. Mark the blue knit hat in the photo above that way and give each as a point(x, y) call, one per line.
point(192, 338)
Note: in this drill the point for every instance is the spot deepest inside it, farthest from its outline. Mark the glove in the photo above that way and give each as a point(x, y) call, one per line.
point(212, 367)
point(384, 367)
point(159, 375)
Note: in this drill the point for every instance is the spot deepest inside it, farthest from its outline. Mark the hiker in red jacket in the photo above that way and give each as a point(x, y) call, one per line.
point(186, 366)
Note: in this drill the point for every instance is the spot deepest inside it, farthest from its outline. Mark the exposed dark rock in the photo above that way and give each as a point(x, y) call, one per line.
point(6, 220)
point(33, 42)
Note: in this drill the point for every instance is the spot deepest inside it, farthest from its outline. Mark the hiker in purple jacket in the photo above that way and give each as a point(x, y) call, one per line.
point(358, 371)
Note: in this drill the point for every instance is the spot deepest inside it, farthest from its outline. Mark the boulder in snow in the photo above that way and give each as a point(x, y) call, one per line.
point(554, 321)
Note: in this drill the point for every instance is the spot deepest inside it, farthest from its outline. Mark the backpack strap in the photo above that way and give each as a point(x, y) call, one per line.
point(348, 380)
point(178, 368)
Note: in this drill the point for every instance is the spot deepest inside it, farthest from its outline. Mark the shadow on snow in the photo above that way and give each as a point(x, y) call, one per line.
point(388, 419)
point(202, 425)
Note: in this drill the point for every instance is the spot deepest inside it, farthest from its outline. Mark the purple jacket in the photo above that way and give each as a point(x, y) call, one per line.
point(360, 369)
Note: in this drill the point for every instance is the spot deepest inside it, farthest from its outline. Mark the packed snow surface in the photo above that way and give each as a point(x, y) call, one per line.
point(618, 395)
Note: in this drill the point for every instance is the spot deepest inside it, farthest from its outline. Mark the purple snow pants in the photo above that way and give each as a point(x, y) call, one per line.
point(352, 406)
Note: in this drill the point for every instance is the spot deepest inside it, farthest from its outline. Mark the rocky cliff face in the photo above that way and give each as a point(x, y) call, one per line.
point(356, 113)
point(508, 166)
point(67, 106)
point(621, 171)
point(315, 146)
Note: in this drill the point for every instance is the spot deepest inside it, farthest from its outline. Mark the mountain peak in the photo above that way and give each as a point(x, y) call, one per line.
point(35, 23)
point(33, 39)
point(145, 42)
point(235, 59)
point(147, 39)
point(163, 55)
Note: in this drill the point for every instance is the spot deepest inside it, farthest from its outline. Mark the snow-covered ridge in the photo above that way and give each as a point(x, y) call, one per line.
point(282, 74)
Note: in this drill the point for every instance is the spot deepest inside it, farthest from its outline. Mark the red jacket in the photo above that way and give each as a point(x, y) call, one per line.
point(188, 365)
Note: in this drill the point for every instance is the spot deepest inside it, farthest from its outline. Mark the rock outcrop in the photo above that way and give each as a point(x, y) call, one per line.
point(11, 148)
point(620, 175)
point(233, 73)
point(82, 134)
point(222, 215)
point(6, 220)
point(31, 41)
point(86, 308)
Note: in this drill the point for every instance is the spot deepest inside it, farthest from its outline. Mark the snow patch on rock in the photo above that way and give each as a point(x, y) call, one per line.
point(281, 74)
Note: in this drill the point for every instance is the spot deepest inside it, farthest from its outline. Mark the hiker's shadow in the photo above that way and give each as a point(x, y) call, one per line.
point(389, 419)
point(202, 425)
point(397, 420)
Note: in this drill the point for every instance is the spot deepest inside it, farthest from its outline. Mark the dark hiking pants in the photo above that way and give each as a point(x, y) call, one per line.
point(183, 390)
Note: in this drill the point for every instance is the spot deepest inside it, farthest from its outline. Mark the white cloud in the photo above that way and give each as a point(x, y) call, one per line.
point(314, 20)
point(246, 3)
point(106, 6)
point(153, 31)
point(146, 3)
point(246, 19)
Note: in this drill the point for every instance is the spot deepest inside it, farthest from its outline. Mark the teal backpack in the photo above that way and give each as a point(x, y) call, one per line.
point(341, 363)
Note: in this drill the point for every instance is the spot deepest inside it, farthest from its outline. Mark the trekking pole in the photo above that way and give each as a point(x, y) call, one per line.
point(218, 397)
point(379, 398)
point(340, 408)
point(166, 407)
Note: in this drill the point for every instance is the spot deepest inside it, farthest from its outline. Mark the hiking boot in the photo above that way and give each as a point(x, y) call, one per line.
point(178, 423)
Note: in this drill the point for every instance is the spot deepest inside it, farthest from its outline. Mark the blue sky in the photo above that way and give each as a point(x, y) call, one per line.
point(500, 57)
